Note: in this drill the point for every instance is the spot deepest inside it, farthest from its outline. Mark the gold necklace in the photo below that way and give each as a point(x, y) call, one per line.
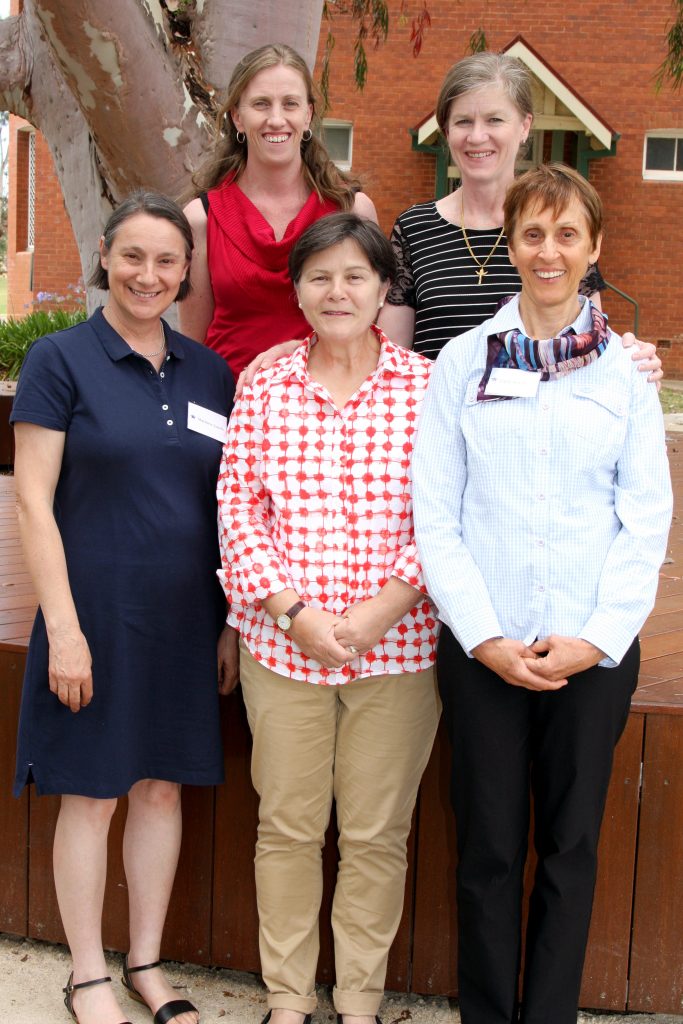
point(481, 272)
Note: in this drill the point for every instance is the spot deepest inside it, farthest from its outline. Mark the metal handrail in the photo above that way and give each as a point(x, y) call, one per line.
point(629, 298)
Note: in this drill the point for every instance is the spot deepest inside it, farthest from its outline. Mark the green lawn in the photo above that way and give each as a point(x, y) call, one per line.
point(672, 401)
point(3, 293)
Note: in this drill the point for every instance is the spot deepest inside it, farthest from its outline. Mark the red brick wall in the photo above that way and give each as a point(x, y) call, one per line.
point(56, 264)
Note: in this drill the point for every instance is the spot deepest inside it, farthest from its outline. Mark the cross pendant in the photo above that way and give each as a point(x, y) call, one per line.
point(481, 274)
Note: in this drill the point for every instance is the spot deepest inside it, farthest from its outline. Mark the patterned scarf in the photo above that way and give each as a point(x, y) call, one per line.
point(552, 358)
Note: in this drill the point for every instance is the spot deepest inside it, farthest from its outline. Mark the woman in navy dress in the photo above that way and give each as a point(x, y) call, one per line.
point(119, 424)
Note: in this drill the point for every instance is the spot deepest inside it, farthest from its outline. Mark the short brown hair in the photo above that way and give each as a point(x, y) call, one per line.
point(337, 228)
point(552, 186)
point(154, 204)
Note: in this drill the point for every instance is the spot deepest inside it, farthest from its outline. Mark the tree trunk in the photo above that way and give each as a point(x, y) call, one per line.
point(122, 96)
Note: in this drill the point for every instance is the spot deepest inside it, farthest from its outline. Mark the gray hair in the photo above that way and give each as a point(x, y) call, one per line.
point(479, 70)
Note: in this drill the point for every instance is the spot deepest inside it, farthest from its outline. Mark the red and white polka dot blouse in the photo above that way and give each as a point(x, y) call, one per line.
point(318, 499)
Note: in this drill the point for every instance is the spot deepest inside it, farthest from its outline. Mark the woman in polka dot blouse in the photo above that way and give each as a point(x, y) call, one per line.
point(337, 632)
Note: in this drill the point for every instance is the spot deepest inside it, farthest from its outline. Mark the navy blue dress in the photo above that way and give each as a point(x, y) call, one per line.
point(136, 509)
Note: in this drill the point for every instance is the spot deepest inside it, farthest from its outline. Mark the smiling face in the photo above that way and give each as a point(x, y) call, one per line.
point(485, 130)
point(273, 112)
point(340, 293)
point(145, 266)
point(552, 251)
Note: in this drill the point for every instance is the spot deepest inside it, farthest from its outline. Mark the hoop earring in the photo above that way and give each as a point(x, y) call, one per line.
point(306, 135)
point(241, 140)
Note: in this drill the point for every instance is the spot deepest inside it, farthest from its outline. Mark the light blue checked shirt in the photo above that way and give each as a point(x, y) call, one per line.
point(547, 514)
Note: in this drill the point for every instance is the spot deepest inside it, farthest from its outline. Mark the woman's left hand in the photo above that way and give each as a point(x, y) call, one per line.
point(228, 660)
point(363, 625)
point(645, 353)
point(564, 656)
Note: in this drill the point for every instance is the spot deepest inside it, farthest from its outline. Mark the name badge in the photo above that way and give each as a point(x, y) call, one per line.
point(513, 383)
point(206, 422)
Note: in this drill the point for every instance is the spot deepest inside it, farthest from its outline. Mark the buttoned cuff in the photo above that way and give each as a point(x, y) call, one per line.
point(606, 633)
point(475, 629)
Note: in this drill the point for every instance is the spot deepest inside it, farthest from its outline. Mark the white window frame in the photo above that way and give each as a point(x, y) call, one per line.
point(662, 133)
point(331, 122)
point(31, 187)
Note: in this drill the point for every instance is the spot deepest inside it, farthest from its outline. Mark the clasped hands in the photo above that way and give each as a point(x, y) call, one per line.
point(545, 665)
point(335, 640)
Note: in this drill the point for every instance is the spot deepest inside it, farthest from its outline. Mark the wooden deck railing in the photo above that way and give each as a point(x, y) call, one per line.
point(635, 958)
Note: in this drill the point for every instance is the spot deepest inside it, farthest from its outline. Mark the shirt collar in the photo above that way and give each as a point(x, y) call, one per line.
point(508, 318)
point(393, 359)
point(117, 349)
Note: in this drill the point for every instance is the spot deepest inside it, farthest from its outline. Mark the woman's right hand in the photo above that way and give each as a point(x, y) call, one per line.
point(70, 670)
point(263, 361)
point(513, 661)
point(313, 631)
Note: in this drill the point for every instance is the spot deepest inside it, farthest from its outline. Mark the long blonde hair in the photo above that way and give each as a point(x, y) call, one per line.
point(229, 156)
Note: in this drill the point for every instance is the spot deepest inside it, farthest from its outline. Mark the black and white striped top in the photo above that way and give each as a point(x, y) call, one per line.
point(438, 278)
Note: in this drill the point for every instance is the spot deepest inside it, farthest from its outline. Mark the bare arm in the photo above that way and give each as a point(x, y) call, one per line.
point(364, 207)
point(36, 470)
point(196, 311)
point(398, 323)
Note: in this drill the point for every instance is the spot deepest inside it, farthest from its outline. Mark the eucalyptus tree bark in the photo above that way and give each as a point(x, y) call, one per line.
point(124, 90)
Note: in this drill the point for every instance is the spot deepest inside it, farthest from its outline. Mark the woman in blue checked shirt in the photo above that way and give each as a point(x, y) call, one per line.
point(542, 504)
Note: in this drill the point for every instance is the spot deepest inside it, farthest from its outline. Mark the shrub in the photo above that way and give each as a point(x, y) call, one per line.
point(17, 335)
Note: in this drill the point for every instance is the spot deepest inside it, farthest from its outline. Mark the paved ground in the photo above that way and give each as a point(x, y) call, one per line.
point(32, 975)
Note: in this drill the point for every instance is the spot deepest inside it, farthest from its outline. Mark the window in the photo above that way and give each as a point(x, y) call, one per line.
point(663, 156)
point(338, 138)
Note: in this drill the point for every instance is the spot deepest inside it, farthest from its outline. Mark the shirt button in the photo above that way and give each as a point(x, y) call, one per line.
point(541, 543)
point(162, 374)
point(541, 497)
point(541, 589)
point(545, 407)
point(165, 408)
point(169, 423)
point(541, 451)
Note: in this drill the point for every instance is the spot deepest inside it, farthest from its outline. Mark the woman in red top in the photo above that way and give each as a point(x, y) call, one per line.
point(267, 180)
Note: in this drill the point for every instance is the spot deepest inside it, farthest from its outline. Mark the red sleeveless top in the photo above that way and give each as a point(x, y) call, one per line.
point(255, 302)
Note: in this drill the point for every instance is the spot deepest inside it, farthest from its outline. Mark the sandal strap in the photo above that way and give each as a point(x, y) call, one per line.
point(142, 967)
point(170, 1010)
point(70, 987)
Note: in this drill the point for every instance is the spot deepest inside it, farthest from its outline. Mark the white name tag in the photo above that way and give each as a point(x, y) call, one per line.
point(204, 421)
point(512, 383)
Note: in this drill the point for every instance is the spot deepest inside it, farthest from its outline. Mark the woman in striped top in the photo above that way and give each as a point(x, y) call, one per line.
point(453, 259)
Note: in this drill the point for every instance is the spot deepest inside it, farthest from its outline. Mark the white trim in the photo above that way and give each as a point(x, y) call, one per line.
point(667, 175)
point(333, 122)
point(592, 124)
point(31, 187)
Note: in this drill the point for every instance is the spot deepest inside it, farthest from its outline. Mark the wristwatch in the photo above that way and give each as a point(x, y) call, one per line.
point(284, 619)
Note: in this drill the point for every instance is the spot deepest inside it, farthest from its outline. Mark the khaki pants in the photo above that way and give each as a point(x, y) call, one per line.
point(366, 744)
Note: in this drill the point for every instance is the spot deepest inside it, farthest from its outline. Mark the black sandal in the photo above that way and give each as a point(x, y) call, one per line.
point(166, 1012)
point(340, 1019)
point(71, 988)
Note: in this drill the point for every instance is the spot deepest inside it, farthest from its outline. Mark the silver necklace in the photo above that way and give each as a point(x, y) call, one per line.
point(151, 355)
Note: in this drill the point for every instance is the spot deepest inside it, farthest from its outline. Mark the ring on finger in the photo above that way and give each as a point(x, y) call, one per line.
point(352, 649)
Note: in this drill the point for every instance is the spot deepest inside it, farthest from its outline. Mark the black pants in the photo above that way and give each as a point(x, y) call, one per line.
point(506, 743)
